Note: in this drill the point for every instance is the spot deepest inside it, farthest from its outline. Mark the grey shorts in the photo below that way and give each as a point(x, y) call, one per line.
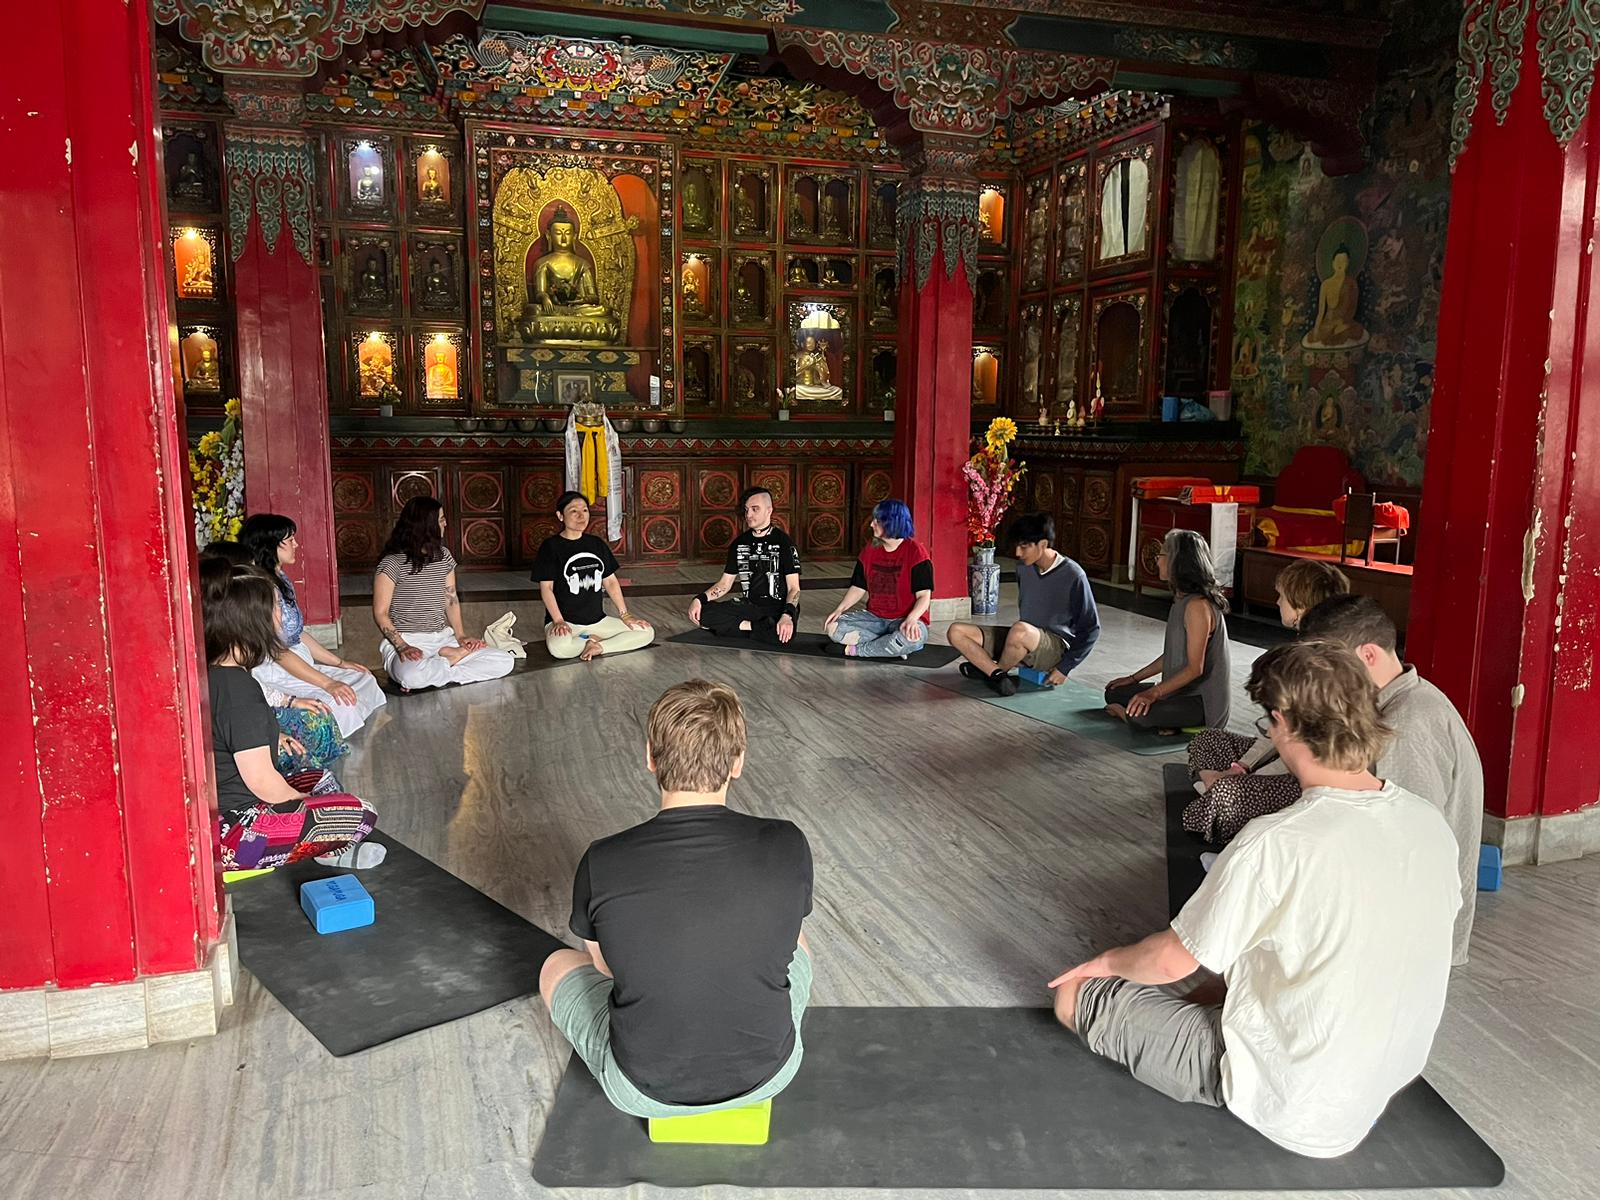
point(1166, 1043)
point(1046, 656)
point(581, 1009)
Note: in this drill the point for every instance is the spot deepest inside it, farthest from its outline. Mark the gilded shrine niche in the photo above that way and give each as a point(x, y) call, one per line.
point(572, 249)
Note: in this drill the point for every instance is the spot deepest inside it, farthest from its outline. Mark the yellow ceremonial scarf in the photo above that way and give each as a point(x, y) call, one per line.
point(594, 474)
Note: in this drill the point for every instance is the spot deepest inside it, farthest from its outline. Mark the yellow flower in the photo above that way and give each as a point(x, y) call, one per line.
point(1002, 430)
point(210, 443)
point(231, 408)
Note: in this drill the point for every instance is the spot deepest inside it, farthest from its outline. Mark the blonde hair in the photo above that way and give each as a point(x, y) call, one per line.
point(1307, 582)
point(1327, 699)
point(695, 732)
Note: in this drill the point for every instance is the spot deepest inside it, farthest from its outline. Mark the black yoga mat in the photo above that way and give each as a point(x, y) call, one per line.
point(992, 1098)
point(438, 950)
point(1184, 872)
point(811, 645)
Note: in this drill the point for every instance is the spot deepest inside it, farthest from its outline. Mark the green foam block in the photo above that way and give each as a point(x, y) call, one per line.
point(725, 1127)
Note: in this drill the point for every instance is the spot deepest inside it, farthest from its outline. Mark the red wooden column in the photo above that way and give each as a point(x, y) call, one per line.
point(937, 227)
point(1506, 602)
point(282, 365)
point(106, 863)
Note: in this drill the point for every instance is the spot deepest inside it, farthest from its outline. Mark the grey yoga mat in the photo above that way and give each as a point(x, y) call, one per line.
point(992, 1098)
point(811, 645)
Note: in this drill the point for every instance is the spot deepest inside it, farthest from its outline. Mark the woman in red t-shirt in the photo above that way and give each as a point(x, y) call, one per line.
point(895, 577)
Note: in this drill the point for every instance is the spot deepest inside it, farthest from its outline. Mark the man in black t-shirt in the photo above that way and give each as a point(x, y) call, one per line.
point(689, 993)
point(765, 563)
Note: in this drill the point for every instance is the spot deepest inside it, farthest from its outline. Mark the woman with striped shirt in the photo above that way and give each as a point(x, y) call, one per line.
point(418, 613)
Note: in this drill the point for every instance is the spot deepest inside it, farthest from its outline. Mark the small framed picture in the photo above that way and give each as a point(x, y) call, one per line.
point(573, 389)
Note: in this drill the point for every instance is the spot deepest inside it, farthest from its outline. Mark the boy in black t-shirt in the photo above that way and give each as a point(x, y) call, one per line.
point(765, 563)
point(689, 993)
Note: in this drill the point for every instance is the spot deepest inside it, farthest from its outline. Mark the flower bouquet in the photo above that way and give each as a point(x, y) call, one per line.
point(991, 477)
point(216, 478)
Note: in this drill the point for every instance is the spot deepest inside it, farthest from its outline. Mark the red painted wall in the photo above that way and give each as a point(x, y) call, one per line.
point(105, 869)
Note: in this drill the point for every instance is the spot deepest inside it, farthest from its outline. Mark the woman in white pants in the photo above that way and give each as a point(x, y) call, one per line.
point(306, 668)
point(575, 570)
point(418, 613)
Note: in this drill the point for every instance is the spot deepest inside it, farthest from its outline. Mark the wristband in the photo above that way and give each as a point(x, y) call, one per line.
point(703, 598)
point(792, 611)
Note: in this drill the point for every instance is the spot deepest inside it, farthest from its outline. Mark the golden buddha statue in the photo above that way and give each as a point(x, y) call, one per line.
point(197, 283)
point(833, 218)
point(746, 219)
point(563, 303)
point(432, 189)
point(830, 275)
point(441, 379)
point(696, 212)
point(811, 373)
point(744, 385)
point(797, 273)
point(693, 298)
point(206, 375)
point(375, 367)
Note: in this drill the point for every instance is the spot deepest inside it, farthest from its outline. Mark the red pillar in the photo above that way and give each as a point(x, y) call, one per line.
point(1506, 603)
point(282, 390)
point(106, 865)
point(938, 224)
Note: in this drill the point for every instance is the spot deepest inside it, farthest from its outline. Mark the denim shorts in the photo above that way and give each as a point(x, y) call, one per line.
point(581, 1008)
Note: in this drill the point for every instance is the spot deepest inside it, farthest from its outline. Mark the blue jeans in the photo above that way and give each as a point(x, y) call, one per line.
point(880, 636)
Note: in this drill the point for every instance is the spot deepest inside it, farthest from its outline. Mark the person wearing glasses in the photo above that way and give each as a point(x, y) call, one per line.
point(1194, 683)
point(1330, 923)
point(304, 666)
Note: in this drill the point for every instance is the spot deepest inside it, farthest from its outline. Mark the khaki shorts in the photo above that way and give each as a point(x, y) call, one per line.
point(1046, 656)
point(581, 1009)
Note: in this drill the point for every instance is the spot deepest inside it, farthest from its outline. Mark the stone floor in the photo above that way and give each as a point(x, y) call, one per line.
point(963, 855)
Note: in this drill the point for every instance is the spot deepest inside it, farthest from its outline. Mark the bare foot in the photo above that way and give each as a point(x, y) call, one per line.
point(453, 654)
point(1117, 711)
point(593, 648)
point(1066, 1004)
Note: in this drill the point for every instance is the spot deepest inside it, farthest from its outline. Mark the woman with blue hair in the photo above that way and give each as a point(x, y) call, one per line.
point(895, 577)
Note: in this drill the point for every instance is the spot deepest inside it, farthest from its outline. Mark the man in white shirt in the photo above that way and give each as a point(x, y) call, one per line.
point(1330, 923)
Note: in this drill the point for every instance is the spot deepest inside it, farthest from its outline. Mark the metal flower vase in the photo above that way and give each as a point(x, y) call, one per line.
point(983, 582)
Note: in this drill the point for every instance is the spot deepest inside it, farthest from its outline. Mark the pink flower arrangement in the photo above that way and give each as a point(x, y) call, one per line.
point(991, 478)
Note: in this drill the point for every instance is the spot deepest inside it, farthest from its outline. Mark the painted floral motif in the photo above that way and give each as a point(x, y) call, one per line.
point(271, 179)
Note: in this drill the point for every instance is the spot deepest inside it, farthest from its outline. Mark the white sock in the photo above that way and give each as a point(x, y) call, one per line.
point(358, 857)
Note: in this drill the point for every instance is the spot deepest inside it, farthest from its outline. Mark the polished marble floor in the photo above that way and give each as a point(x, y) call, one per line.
point(963, 855)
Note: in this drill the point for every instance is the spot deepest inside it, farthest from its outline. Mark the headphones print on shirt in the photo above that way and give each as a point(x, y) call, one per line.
point(583, 573)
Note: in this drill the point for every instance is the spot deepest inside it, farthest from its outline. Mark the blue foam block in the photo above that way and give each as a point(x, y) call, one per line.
point(336, 904)
point(1488, 868)
point(1029, 675)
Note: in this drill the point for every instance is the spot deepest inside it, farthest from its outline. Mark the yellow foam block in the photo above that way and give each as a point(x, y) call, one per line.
point(725, 1127)
point(240, 876)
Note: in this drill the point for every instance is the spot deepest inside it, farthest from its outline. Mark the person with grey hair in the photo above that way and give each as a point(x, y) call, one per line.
point(1194, 669)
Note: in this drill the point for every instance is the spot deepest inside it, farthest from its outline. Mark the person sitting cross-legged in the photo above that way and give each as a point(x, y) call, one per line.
point(575, 571)
point(1193, 689)
point(765, 563)
point(689, 992)
point(1329, 922)
point(1432, 752)
point(418, 612)
point(1239, 777)
point(1058, 622)
point(895, 576)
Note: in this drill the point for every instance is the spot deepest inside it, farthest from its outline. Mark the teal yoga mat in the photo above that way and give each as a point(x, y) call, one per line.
point(1072, 706)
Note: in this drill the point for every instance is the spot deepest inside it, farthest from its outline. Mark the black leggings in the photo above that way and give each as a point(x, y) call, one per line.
point(722, 618)
point(1182, 711)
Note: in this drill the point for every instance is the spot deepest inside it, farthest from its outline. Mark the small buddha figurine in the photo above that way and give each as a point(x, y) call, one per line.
point(376, 369)
point(746, 218)
point(797, 273)
point(883, 300)
point(371, 287)
point(437, 289)
point(696, 214)
point(206, 375)
point(191, 184)
point(369, 185)
point(882, 213)
point(743, 302)
point(563, 302)
point(744, 385)
point(197, 283)
point(441, 380)
point(830, 277)
point(811, 373)
point(694, 380)
point(833, 219)
point(432, 189)
point(693, 297)
point(797, 216)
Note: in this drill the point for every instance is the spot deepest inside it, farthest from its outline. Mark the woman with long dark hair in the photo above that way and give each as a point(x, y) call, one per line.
point(418, 613)
point(1194, 683)
point(304, 666)
point(894, 576)
point(267, 820)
